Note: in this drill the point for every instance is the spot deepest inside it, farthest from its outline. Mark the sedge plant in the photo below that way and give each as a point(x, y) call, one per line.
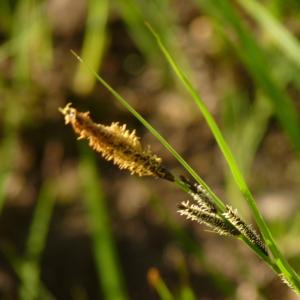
point(123, 147)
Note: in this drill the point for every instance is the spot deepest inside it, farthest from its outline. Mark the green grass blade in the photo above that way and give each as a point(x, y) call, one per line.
point(132, 16)
point(134, 13)
point(151, 129)
point(5, 16)
point(208, 117)
point(8, 150)
point(279, 34)
point(163, 15)
point(244, 134)
point(270, 241)
point(104, 250)
point(254, 58)
point(93, 44)
point(30, 268)
point(290, 274)
point(21, 19)
point(35, 40)
point(159, 285)
point(17, 264)
point(186, 293)
point(41, 220)
point(22, 30)
point(164, 142)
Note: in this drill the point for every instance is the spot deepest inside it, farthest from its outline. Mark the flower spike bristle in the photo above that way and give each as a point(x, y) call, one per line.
point(117, 144)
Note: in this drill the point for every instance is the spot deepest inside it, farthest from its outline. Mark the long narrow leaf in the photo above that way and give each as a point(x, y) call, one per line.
point(104, 250)
point(254, 58)
point(279, 34)
point(30, 267)
point(163, 141)
point(281, 262)
point(93, 44)
point(151, 129)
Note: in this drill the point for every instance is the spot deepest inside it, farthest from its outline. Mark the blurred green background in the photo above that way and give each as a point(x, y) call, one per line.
point(73, 226)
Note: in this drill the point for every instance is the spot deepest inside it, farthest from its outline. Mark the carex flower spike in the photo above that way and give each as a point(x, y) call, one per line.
point(117, 144)
point(201, 215)
point(199, 195)
point(203, 211)
point(232, 216)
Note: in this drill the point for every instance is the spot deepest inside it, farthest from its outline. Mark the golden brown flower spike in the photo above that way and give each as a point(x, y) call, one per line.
point(116, 143)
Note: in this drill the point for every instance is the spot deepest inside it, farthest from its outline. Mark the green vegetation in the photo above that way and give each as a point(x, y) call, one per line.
point(69, 232)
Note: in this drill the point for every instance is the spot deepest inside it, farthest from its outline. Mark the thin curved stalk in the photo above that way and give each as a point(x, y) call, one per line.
point(165, 143)
point(287, 271)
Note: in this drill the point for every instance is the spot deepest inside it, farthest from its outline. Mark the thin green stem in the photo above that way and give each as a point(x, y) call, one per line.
point(281, 262)
point(161, 139)
point(284, 40)
point(105, 252)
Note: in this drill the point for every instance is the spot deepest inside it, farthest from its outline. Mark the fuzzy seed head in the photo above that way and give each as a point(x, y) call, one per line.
point(203, 216)
point(200, 195)
point(232, 216)
point(117, 144)
point(288, 283)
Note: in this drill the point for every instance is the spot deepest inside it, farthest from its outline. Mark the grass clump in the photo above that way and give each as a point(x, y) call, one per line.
point(117, 144)
point(225, 220)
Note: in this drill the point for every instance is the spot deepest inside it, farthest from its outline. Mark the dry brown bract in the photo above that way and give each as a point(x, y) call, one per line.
point(116, 143)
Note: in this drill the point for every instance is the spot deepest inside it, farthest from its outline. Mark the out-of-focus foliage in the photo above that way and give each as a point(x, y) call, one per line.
point(65, 235)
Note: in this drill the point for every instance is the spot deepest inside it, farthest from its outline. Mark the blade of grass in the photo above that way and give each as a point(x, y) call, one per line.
point(186, 293)
point(284, 40)
point(20, 35)
point(108, 269)
point(162, 14)
point(208, 117)
point(5, 16)
point(248, 130)
point(188, 168)
point(286, 269)
point(93, 44)
point(30, 266)
point(254, 58)
point(16, 263)
point(7, 150)
point(159, 285)
point(22, 19)
point(244, 133)
point(35, 40)
point(151, 129)
point(134, 13)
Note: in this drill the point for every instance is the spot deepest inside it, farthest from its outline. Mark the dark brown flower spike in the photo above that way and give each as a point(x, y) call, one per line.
point(205, 212)
point(200, 195)
point(199, 214)
point(116, 143)
point(232, 216)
